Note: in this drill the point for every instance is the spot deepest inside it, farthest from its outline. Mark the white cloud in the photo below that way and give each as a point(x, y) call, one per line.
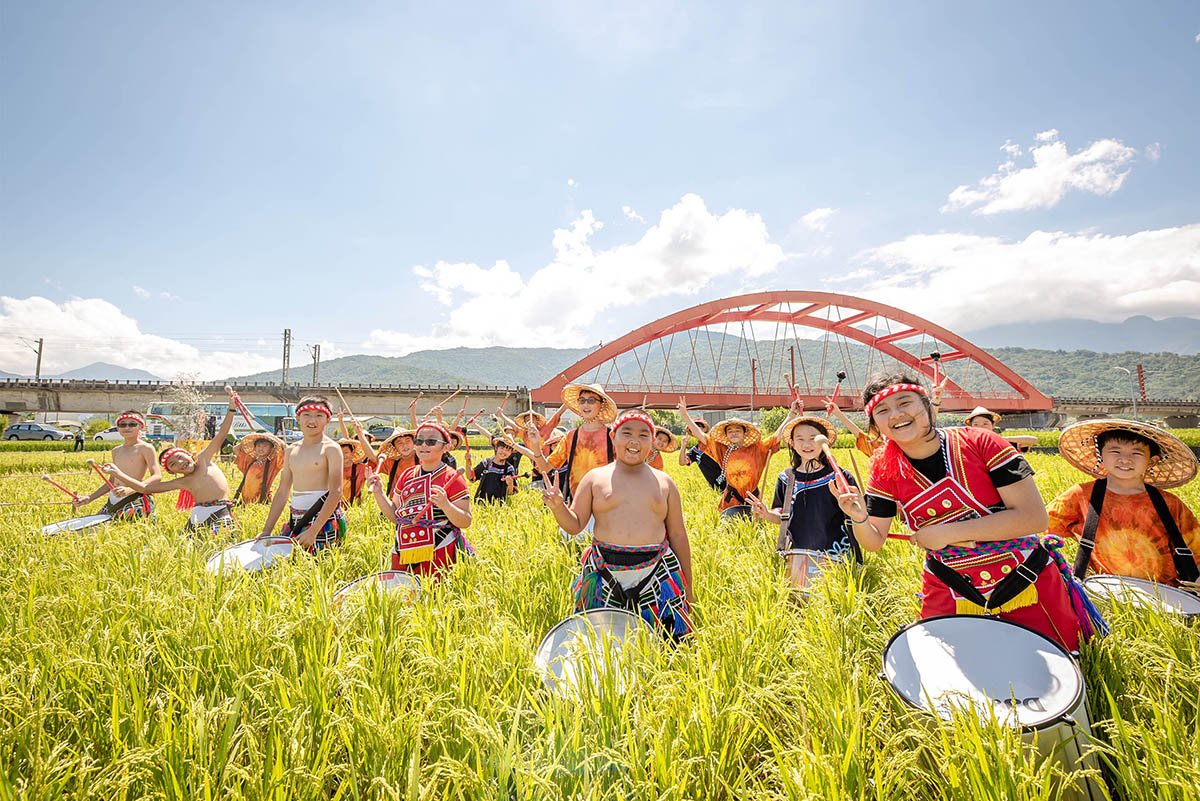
point(85, 330)
point(572, 183)
point(629, 212)
point(560, 304)
point(966, 282)
point(1100, 168)
point(1153, 151)
point(818, 219)
point(141, 293)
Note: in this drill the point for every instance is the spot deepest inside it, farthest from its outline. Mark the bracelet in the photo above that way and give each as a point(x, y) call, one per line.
point(859, 522)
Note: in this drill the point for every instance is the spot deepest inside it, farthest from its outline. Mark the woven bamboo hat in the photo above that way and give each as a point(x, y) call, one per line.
point(246, 444)
point(608, 407)
point(388, 449)
point(456, 439)
point(357, 452)
point(980, 411)
point(720, 431)
point(672, 445)
point(1176, 466)
point(820, 423)
point(538, 419)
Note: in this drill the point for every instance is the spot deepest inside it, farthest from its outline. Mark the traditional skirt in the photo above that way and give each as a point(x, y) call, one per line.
point(450, 544)
point(131, 507)
point(332, 533)
point(646, 580)
point(213, 516)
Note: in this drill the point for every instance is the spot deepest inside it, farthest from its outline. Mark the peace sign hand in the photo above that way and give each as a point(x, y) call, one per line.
point(551, 495)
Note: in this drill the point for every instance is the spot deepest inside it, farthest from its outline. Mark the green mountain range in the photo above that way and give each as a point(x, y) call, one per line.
point(1077, 373)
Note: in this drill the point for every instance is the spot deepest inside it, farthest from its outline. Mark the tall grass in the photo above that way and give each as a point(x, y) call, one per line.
point(128, 672)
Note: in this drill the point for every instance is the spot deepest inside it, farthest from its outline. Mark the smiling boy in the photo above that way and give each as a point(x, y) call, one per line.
point(134, 457)
point(1126, 524)
point(312, 478)
point(639, 558)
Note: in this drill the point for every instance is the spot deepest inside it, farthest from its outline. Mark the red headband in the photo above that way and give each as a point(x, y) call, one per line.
point(315, 406)
point(137, 418)
point(888, 392)
point(168, 453)
point(633, 416)
point(436, 427)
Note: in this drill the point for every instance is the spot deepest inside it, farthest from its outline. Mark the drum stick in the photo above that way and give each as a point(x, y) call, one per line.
point(353, 416)
point(38, 503)
point(92, 464)
point(237, 401)
point(839, 477)
point(54, 483)
point(837, 388)
point(857, 475)
point(937, 362)
point(414, 400)
point(451, 397)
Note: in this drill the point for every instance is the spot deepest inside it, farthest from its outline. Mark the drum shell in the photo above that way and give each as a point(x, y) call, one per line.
point(270, 550)
point(560, 673)
point(1144, 593)
point(359, 585)
point(1064, 736)
point(803, 566)
point(75, 524)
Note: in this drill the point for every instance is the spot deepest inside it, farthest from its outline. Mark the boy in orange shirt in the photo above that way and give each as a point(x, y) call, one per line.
point(1126, 525)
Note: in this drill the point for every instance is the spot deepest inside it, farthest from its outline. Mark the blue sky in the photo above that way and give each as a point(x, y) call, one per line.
point(384, 177)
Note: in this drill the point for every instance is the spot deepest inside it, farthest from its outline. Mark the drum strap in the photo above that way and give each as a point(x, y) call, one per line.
point(785, 517)
point(310, 514)
point(627, 598)
point(1185, 561)
point(115, 508)
point(1186, 568)
point(1091, 522)
point(1005, 590)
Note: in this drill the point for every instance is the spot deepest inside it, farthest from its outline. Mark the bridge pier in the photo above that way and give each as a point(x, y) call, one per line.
point(1182, 421)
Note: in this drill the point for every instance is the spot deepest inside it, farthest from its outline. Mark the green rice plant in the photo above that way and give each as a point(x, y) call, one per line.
point(129, 672)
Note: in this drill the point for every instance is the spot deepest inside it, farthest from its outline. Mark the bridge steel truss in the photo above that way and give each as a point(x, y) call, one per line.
point(863, 335)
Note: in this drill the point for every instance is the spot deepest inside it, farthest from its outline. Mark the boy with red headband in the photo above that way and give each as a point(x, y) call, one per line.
point(312, 478)
point(970, 501)
point(198, 475)
point(136, 458)
point(430, 507)
point(639, 558)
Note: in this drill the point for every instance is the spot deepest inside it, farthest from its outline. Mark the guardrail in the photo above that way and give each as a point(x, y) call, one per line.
point(149, 386)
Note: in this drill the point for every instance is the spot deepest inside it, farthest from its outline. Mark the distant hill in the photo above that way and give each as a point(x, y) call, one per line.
point(528, 367)
point(96, 371)
point(1139, 334)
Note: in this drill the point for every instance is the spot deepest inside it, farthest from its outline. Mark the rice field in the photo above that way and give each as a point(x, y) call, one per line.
point(129, 672)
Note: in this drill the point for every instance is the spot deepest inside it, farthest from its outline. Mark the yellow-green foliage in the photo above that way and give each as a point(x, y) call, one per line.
point(128, 672)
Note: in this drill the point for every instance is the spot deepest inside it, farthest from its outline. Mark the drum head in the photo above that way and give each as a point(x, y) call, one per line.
point(75, 524)
point(989, 665)
point(585, 646)
point(389, 581)
point(251, 555)
point(1140, 592)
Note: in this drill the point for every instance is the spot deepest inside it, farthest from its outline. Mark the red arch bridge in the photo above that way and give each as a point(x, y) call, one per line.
point(763, 349)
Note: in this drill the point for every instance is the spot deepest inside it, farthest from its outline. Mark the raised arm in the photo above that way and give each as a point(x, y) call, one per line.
point(372, 456)
point(833, 410)
point(553, 421)
point(695, 430)
point(461, 412)
point(214, 446)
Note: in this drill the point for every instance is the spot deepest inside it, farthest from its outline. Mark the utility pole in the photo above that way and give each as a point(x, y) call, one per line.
point(315, 350)
point(1132, 387)
point(37, 373)
point(287, 355)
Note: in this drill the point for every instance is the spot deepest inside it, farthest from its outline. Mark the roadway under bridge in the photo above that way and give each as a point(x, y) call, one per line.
point(388, 400)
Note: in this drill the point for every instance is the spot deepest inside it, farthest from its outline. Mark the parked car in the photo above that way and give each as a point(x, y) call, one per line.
point(381, 432)
point(35, 431)
point(109, 433)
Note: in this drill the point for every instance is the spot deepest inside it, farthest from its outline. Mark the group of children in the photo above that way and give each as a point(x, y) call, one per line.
point(965, 493)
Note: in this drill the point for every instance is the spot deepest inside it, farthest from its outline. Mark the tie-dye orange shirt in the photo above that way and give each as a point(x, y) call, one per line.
point(591, 452)
point(744, 466)
point(1130, 540)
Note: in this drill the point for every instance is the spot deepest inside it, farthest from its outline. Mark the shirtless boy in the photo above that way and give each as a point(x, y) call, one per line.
point(197, 474)
point(639, 558)
point(312, 477)
point(133, 457)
